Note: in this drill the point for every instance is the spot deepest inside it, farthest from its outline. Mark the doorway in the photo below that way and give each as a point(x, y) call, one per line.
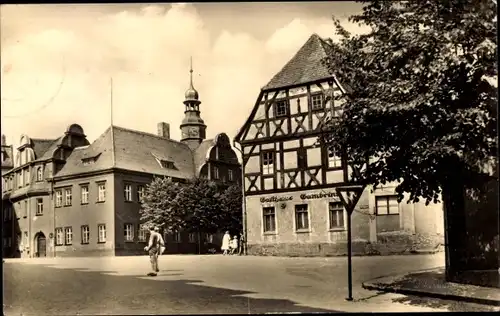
point(41, 245)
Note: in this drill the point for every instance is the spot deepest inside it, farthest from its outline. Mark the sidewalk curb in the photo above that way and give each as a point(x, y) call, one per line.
point(392, 289)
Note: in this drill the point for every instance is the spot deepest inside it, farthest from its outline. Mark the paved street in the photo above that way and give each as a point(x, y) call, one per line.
point(209, 284)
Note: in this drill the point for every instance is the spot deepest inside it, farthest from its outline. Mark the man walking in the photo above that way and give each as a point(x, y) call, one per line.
point(241, 244)
point(154, 248)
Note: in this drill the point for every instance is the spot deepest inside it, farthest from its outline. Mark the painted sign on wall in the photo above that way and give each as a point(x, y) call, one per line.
point(275, 199)
point(318, 195)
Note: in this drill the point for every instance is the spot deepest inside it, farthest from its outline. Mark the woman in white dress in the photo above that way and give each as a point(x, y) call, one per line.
point(225, 243)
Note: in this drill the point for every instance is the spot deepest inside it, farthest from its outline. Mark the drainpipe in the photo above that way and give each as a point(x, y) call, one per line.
point(243, 204)
point(28, 217)
point(51, 203)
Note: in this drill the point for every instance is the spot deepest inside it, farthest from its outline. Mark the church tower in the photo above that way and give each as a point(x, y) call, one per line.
point(192, 127)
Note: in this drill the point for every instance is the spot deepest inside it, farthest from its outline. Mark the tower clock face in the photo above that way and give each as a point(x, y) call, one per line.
point(193, 132)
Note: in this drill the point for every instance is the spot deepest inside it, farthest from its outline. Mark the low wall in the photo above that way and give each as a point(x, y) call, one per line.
point(387, 244)
point(85, 253)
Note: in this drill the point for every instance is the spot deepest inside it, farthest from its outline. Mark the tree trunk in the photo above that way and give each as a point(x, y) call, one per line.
point(455, 231)
point(199, 242)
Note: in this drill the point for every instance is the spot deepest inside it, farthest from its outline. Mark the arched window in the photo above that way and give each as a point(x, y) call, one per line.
point(39, 174)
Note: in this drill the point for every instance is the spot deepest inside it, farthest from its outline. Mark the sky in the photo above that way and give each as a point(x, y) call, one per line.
point(57, 62)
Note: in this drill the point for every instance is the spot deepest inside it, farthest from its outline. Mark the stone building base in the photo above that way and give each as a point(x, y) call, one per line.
point(86, 253)
point(387, 244)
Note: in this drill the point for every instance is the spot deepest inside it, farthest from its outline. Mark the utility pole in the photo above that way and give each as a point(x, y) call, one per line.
point(243, 204)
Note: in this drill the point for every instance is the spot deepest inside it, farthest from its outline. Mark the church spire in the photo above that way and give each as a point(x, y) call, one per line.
point(191, 93)
point(191, 73)
point(192, 127)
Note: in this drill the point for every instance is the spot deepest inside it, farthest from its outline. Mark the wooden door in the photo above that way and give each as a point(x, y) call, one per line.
point(42, 246)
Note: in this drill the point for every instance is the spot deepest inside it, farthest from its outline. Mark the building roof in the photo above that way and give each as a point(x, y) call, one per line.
point(200, 153)
point(134, 151)
point(101, 146)
point(138, 151)
point(8, 156)
point(305, 66)
point(41, 146)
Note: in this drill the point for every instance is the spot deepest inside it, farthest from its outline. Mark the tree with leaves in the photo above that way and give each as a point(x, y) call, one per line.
point(232, 212)
point(421, 101)
point(199, 205)
point(160, 205)
point(201, 201)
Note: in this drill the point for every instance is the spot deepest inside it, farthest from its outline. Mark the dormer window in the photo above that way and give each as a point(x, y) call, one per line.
point(90, 160)
point(281, 108)
point(167, 164)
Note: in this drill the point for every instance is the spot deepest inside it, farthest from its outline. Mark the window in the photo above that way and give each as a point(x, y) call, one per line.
point(39, 174)
point(140, 192)
point(7, 214)
point(316, 101)
point(301, 217)
point(268, 162)
point(129, 232)
point(177, 237)
point(216, 173)
point(302, 157)
point(387, 205)
point(26, 176)
point(58, 198)
point(192, 237)
point(101, 229)
point(85, 234)
point(26, 240)
point(230, 175)
point(167, 164)
point(39, 206)
point(101, 188)
point(67, 197)
point(25, 209)
point(387, 211)
point(336, 213)
point(209, 238)
point(68, 236)
point(128, 192)
point(88, 161)
point(84, 194)
point(142, 233)
point(334, 159)
point(281, 108)
point(269, 219)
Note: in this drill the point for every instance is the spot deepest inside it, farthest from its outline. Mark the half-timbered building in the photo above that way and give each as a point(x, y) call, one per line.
point(290, 179)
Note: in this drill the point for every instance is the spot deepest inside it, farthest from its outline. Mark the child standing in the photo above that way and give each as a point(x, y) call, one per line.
point(234, 244)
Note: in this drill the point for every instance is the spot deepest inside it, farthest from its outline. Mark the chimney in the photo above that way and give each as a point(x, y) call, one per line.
point(164, 130)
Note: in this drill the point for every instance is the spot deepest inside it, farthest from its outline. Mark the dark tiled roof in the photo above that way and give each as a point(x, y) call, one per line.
point(74, 165)
point(134, 151)
point(50, 150)
point(200, 154)
point(41, 146)
point(8, 163)
point(305, 66)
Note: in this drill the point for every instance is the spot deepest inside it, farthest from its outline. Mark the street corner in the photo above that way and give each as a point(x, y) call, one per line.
point(432, 283)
